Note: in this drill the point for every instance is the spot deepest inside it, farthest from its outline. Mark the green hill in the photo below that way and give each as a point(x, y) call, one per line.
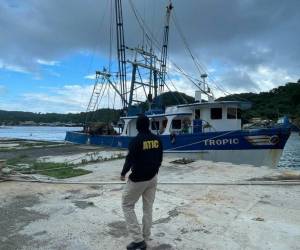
point(173, 98)
point(284, 100)
point(17, 117)
point(101, 115)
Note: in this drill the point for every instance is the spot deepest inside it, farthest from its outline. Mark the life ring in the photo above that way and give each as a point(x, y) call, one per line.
point(274, 139)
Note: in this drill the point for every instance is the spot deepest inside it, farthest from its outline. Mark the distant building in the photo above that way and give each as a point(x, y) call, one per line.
point(28, 123)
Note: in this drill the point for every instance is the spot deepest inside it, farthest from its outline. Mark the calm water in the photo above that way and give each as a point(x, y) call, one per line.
point(290, 156)
point(291, 152)
point(37, 133)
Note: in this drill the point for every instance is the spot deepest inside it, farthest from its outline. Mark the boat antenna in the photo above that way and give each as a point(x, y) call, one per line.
point(203, 76)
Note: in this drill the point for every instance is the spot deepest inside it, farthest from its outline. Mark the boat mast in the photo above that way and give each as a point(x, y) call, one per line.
point(144, 60)
point(157, 68)
point(121, 52)
point(164, 51)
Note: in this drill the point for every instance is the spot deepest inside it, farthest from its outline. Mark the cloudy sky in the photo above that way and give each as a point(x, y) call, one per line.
point(50, 48)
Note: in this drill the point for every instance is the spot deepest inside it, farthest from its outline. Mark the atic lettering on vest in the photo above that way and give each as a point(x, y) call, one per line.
point(150, 144)
point(221, 142)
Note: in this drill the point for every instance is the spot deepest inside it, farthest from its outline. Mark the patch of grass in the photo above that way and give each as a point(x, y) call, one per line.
point(17, 160)
point(26, 165)
point(41, 144)
point(58, 170)
point(6, 150)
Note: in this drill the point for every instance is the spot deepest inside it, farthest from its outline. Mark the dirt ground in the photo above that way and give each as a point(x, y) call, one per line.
point(200, 205)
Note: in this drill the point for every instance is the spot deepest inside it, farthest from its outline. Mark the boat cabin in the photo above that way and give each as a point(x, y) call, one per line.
point(192, 118)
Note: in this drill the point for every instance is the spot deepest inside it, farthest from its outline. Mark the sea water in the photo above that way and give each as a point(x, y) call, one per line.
point(289, 159)
point(291, 154)
point(36, 132)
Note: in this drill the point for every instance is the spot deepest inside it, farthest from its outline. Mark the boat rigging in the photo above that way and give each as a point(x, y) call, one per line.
point(148, 71)
point(209, 130)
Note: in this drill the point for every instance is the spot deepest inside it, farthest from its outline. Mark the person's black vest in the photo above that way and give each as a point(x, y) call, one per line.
point(144, 157)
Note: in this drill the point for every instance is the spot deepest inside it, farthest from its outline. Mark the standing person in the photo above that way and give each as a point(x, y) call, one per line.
point(144, 159)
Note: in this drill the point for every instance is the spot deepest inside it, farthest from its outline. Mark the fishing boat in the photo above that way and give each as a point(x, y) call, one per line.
point(203, 129)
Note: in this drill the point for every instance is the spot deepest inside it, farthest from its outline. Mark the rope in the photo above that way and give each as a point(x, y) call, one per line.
point(100, 30)
point(196, 62)
point(185, 43)
point(110, 36)
point(177, 68)
point(245, 183)
point(43, 170)
point(94, 108)
point(143, 26)
point(140, 21)
point(102, 94)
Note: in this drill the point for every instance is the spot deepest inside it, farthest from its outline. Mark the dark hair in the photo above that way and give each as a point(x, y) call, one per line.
point(142, 123)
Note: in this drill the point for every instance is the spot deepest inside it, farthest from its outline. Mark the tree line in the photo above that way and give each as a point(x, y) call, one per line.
point(284, 100)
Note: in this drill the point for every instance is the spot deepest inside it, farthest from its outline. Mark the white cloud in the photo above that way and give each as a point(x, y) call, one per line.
point(91, 77)
point(14, 68)
point(268, 77)
point(47, 63)
point(241, 79)
point(256, 38)
point(252, 34)
point(69, 97)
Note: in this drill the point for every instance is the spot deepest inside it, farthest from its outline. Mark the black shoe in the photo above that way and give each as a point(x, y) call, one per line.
point(137, 245)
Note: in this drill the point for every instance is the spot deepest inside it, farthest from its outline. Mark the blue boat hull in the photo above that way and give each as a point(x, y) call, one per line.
point(256, 147)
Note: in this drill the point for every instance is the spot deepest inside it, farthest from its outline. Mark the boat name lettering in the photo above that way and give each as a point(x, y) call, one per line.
point(219, 142)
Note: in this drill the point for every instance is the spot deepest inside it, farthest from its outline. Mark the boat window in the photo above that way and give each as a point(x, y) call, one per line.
point(164, 123)
point(215, 113)
point(186, 125)
point(163, 126)
point(155, 125)
point(239, 113)
point(197, 114)
point(176, 124)
point(231, 113)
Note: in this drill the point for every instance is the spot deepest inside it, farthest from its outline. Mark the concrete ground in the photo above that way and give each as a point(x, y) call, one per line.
point(70, 216)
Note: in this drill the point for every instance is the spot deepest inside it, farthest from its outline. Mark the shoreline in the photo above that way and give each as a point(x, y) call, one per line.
point(29, 146)
point(39, 125)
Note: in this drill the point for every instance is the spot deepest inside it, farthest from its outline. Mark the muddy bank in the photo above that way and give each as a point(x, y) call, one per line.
point(35, 149)
point(58, 160)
